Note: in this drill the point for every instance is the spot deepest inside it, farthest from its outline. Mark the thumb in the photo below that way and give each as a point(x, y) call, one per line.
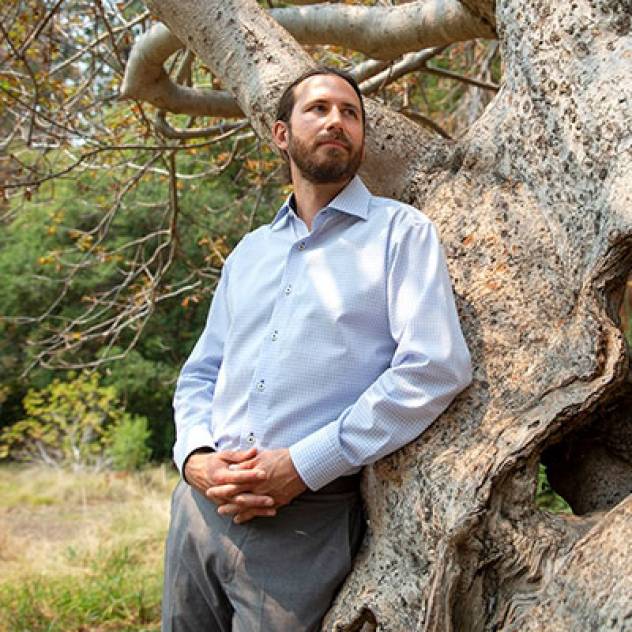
point(237, 456)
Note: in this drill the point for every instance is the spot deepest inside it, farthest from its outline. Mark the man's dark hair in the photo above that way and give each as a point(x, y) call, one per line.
point(286, 102)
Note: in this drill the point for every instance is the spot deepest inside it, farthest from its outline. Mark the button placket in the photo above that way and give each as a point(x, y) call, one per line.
point(264, 369)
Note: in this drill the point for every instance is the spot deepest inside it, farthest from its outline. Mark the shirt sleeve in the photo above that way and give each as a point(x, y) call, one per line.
point(430, 366)
point(196, 384)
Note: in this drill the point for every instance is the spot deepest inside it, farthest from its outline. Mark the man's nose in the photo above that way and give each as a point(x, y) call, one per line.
point(334, 118)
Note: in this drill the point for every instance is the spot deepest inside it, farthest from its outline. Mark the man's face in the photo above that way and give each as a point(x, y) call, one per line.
point(325, 137)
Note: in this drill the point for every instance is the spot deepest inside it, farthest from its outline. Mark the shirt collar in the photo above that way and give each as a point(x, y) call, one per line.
point(353, 199)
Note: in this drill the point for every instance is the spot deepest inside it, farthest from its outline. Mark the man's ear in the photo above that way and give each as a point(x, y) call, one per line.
point(280, 135)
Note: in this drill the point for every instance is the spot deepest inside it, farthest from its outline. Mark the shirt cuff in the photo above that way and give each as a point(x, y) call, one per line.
point(194, 438)
point(318, 457)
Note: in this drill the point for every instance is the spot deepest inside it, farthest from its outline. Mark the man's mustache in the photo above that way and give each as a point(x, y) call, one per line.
point(339, 137)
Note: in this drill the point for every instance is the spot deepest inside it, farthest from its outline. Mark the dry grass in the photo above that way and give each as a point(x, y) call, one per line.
point(81, 551)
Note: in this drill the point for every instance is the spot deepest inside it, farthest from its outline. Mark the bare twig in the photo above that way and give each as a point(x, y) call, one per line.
point(426, 122)
point(39, 28)
point(448, 74)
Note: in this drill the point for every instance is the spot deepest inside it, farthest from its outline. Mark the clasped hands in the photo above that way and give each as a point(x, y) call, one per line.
point(245, 483)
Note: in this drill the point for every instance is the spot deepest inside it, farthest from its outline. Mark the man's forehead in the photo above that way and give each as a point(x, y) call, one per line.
point(326, 87)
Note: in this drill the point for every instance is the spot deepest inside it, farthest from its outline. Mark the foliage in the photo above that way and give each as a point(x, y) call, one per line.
point(75, 423)
point(128, 449)
point(545, 496)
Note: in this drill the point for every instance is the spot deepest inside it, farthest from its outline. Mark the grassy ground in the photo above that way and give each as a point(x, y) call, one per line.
point(81, 552)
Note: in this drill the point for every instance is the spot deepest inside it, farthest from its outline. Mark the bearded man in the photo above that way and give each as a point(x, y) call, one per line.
point(332, 340)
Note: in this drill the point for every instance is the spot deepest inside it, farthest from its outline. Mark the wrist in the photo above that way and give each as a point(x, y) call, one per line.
point(294, 473)
point(201, 450)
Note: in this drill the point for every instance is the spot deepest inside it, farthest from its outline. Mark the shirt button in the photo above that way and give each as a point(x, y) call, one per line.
point(251, 438)
point(275, 335)
point(301, 246)
point(288, 289)
point(261, 385)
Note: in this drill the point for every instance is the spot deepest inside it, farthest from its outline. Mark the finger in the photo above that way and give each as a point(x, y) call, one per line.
point(229, 509)
point(245, 516)
point(223, 492)
point(236, 456)
point(243, 500)
point(252, 500)
point(244, 465)
point(226, 476)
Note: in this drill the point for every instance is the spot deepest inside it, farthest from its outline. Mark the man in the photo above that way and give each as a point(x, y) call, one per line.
point(332, 340)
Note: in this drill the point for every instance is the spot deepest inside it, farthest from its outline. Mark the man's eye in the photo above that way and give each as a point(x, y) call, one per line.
point(352, 112)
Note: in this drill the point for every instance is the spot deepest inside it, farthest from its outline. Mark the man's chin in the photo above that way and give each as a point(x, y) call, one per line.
point(329, 175)
point(332, 147)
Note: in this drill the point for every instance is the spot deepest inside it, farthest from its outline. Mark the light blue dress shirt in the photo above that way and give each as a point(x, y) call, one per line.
point(341, 344)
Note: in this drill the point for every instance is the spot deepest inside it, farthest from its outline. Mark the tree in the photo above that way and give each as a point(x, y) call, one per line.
point(534, 206)
point(130, 219)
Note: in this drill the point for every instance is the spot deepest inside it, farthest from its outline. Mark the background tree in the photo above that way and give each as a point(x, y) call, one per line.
point(109, 248)
point(532, 201)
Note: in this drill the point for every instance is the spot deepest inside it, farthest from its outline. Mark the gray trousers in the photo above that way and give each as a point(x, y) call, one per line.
point(276, 574)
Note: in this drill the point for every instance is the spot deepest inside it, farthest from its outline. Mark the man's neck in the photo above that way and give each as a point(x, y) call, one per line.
point(310, 197)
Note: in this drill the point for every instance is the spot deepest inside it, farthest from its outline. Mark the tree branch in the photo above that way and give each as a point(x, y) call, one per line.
point(384, 32)
point(146, 80)
point(410, 63)
point(167, 130)
point(39, 28)
point(381, 32)
point(367, 69)
point(99, 40)
point(442, 72)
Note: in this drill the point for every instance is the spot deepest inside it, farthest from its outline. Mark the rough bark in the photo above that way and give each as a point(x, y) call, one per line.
point(534, 206)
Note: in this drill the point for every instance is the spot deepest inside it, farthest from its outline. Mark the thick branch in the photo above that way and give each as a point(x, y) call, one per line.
point(384, 32)
point(234, 38)
point(146, 80)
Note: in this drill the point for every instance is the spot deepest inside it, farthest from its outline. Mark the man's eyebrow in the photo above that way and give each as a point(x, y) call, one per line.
point(317, 100)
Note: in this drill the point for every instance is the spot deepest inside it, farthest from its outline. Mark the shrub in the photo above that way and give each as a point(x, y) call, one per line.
point(72, 424)
point(128, 447)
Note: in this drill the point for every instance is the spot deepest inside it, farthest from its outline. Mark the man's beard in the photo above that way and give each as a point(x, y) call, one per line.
point(337, 166)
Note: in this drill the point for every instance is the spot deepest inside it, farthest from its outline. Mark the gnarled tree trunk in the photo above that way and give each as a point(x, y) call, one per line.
point(534, 207)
